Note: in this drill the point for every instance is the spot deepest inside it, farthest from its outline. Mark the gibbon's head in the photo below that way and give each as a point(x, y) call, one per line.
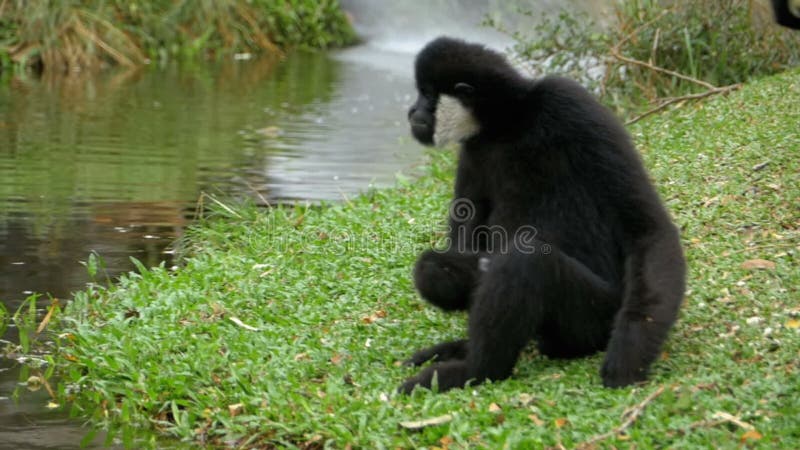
point(456, 79)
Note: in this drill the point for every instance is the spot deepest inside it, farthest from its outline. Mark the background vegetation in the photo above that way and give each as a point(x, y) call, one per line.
point(651, 52)
point(81, 34)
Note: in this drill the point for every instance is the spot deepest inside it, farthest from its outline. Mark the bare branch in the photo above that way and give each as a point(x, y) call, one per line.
point(672, 100)
point(616, 54)
point(718, 418)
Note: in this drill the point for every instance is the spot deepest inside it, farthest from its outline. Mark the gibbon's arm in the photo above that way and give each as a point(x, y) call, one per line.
point(654, 285)
point(468, 210)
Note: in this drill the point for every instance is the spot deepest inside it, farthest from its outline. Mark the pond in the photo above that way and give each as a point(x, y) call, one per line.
point(115, 164)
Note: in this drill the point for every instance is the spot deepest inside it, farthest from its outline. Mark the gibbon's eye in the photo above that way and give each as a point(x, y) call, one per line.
point(463, 89)
point(427, 93)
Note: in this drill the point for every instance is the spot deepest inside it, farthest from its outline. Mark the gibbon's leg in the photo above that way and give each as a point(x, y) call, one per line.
point(445, 351)
point(514, 298)
point(445, 279)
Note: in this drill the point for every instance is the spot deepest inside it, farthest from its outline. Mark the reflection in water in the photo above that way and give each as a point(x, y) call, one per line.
point(28, 425)
point(115, 164)
point(50, 262)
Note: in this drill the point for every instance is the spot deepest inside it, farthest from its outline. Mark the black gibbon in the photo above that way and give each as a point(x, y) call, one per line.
point(556, 233)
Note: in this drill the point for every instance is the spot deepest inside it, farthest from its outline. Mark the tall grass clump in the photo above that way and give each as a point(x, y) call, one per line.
point(86, 34)
point(632, 61)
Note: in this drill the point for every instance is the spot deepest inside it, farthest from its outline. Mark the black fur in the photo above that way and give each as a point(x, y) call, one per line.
point(604, 268)
point(784, 15)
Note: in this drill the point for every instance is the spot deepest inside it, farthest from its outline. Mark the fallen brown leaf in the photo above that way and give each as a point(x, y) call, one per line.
point(48, 316)
point(536, 420)
point(750, 435)
point(380, 314)
point(236, 409)
point(754, 264)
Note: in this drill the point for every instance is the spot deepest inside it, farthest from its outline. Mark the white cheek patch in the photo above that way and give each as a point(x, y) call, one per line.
point(454, 122)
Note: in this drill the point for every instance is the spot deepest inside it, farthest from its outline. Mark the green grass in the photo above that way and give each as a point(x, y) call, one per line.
point(284, 326)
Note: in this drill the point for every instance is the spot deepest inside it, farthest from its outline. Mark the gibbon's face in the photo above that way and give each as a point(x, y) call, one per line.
point(440, 119)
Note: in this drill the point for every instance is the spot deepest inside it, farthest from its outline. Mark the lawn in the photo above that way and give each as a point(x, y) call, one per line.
point(284, 326)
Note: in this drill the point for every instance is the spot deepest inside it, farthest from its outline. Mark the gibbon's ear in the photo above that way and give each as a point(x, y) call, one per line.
point(463, 89)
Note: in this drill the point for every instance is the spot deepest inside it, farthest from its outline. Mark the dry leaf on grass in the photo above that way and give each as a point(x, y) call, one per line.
point(236, 409)
point(750, 435)
point(424, 423)
point(380, 314)
point(756, 264)
point(237, 321)
point(536, 420)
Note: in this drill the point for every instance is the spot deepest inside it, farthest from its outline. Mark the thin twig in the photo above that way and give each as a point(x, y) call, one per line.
point(641, 27)
point(258, 193)
point(722, 415)
point(718, 418)
point(705, 423)
point(227, 208)
point(46, 385)
point(775, 246)
point(673, 100)
point(630, 415)
point(345, 197)
point(655, 46)
point(616, 54)
point(88, 34)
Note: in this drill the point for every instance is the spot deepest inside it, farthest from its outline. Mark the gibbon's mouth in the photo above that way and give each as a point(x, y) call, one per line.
point(422, 132)
point(418, 124)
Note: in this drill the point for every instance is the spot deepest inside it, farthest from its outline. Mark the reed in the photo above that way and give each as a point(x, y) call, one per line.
point(75, 35)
